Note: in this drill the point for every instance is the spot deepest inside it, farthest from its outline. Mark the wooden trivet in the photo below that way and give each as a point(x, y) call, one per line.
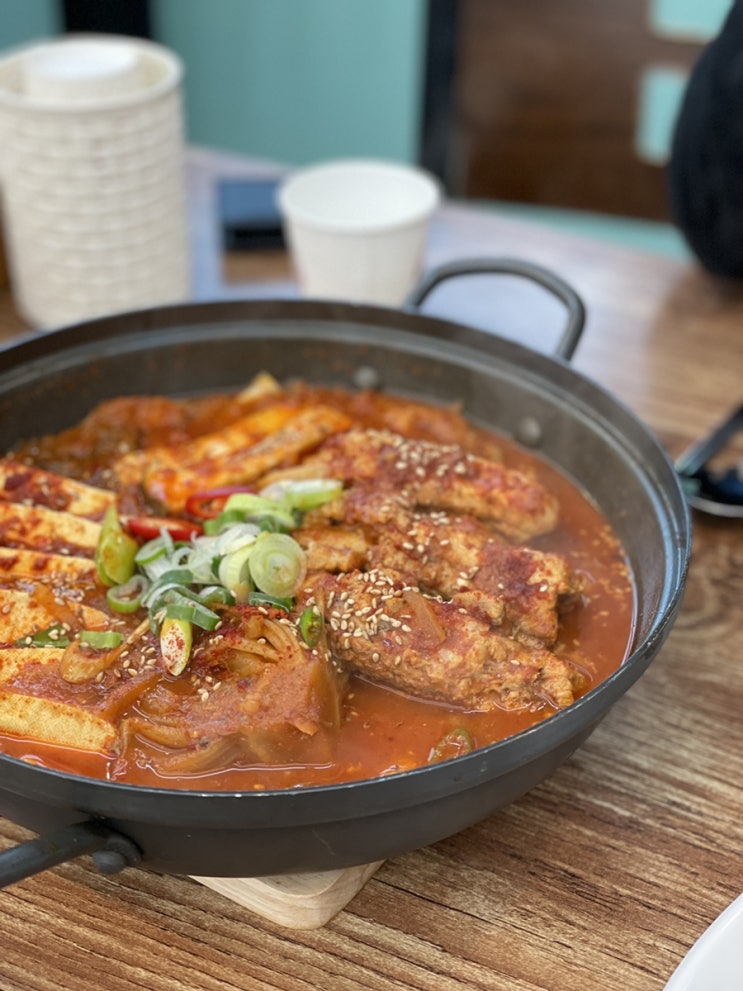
point(297, 901)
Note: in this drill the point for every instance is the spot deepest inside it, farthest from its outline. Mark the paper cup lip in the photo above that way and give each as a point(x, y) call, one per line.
point(161, 70)
point(362, 196)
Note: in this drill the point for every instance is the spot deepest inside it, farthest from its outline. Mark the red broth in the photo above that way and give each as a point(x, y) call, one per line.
point(382, 730)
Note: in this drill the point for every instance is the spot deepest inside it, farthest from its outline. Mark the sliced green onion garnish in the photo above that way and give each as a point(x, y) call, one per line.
point(100, 639)
point(53, 636)
point(237, 536)
point(262, 599)
point(216, 593)
point(256, 508)
point(174, 578)
point(151, 551)
point(226, 519)
point(234, 572)
point(192, 612)
point(277, 564)
point(311, 626)
point(201, 559)
point(128, 597)
point(180, 556)
point(305, 493)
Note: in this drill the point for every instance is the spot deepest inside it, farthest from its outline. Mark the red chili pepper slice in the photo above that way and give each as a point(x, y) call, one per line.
point(149, 527)
point(210, 503)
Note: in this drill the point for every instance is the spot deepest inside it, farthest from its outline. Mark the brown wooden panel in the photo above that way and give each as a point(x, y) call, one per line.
point(546, 95)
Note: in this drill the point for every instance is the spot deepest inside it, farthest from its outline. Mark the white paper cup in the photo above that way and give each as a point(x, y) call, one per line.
point(356, 228)
point(92, 174)
point(83, 69)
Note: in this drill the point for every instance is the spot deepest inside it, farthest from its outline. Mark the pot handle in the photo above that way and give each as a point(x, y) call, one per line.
point(111, 851)
point(576, 313)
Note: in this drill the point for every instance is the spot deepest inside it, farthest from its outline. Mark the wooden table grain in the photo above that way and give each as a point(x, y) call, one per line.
point(604, 875)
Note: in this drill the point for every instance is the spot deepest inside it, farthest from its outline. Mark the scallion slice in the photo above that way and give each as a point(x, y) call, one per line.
point(226, 519)
point(216, 593)
point(151, 551)
point(53, 636)
point(174, 578)
point(304, 493)
point(277, 565)
point(100, 639)
point(262, 599)
point(255, 508)
point(234, 572)
point(128, 597)
point(191, 611)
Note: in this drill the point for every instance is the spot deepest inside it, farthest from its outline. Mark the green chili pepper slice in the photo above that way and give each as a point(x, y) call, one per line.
point(115, 552)
point(176, 639)
point(311, 626)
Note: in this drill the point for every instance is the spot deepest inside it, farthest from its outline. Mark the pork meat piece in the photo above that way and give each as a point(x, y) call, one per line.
point(387, 630)
point(436, 476)
point(518, 588)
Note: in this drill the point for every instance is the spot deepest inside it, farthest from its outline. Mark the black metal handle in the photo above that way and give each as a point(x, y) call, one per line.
point(111, 851)
point(576, 313)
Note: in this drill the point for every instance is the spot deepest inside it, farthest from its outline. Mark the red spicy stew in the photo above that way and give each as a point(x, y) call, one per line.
point(349, 584)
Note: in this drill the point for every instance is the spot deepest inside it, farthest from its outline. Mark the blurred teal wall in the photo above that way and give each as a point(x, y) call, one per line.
point(22, 20)
point(300, 80)
point(292, 80)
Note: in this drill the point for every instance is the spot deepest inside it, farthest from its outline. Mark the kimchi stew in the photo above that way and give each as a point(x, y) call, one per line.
point(293, 585)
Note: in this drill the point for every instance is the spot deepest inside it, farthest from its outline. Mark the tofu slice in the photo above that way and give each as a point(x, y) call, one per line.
point(16, 562)
point(22, 614)
point(48, 720)
point(58, 723)
point(21, 483)
point(14, 659)
point(240, 454)
point(42, 529)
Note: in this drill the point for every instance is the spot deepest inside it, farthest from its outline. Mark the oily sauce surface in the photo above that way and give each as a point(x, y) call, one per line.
point(382, 730)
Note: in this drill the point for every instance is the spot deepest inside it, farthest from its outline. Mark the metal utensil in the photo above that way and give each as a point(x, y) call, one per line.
point(719, 493)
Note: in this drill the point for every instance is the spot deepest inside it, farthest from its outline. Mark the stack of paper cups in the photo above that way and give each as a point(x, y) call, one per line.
point(91, 172)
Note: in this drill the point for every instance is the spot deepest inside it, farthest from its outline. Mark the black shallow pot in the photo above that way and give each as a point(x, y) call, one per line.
point(50, 382)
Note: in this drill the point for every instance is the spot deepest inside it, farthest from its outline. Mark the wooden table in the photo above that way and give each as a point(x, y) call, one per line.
point(600, 878)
